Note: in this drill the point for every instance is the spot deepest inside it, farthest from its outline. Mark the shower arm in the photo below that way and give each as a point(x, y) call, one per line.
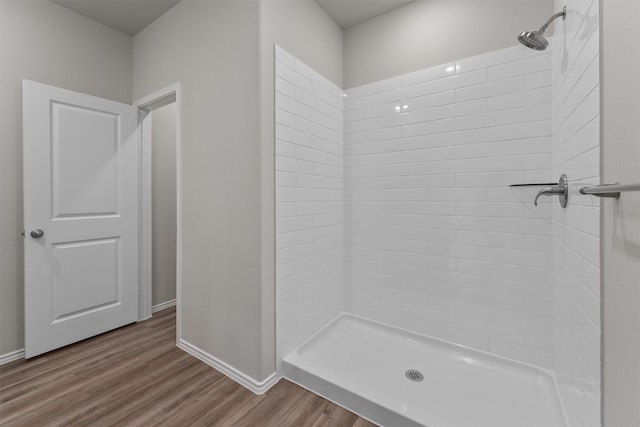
point(557, 15)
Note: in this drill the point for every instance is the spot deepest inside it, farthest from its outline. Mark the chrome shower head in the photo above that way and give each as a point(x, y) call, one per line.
point(535, 39)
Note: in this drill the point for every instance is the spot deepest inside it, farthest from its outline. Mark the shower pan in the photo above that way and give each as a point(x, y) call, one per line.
point(417, 283)
point(363, 366)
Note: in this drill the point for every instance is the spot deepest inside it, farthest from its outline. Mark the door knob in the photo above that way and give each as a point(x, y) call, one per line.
point(37, 233)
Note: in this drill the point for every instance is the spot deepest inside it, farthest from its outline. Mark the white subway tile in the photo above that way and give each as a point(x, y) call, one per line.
point(537, 80)
point(540, 308)
point(492, 88)
point(521, 67)
point(402, 118)
point(490, 119)
point(285, 88)
point(539, 341)
point(292, 77)
point(426, 128)
point(471, 107)
point(520, 130)
point(521, 352)
point(523, 321)
point(537, 112)
point(503, 102)
point(457, 81)
point(460, 336)
point(404, 322)
point(362, 102)
point(486, 60)
point(402, 94)
point(492, 330)
point(538, 96)
point(472, 310)
point(429, 74)
point(285, 118)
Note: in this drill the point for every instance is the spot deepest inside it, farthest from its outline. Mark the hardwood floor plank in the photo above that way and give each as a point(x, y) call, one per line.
point(341, 417)
point(272, 408)
point(361, 422)
point(160, 410)
point(225, 412)
point(136, 376)
point(84, 388)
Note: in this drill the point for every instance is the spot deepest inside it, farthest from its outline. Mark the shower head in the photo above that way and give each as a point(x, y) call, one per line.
point(535, 39)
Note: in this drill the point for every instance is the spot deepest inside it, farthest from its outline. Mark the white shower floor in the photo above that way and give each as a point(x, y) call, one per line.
point(361, 365)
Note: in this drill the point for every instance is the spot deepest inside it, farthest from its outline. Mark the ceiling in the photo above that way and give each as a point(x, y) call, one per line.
point(131, 16)
point(128, 16)
point(351, 12)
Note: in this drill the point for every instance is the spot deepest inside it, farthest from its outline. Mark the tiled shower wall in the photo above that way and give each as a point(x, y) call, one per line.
point(576, 230)
point(309, 201)
point(435, 240)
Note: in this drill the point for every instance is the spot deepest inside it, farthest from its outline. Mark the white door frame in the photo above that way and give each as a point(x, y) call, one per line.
point(145, 105)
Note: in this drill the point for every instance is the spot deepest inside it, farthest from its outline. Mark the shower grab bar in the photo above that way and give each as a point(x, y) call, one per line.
point(609, 190)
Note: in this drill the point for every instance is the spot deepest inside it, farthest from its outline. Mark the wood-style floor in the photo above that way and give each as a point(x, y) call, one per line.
point(136, 376)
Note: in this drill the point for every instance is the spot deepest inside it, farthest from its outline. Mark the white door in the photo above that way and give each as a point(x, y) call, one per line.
point(80, 216)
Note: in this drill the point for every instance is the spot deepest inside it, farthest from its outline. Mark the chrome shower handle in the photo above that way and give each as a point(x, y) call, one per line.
point(548, 191)
point(561, 190)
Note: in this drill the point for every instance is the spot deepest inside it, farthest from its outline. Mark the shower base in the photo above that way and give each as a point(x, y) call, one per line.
point(363, 366)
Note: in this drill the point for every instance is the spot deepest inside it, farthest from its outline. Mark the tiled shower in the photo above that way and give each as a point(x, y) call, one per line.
point(435, 239)
point(395, 202)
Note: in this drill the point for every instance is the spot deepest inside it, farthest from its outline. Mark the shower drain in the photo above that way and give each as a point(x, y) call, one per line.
point(414, 375)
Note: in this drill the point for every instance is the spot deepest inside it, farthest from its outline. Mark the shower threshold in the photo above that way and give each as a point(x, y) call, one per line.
point(397, 378)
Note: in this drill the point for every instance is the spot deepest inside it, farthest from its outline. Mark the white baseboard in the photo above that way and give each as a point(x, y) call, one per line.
point(163, 305)
point(11, 357)
point(257, 387)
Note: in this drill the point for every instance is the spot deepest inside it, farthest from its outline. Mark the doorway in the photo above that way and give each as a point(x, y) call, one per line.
point(160, 237)
point(163, 207)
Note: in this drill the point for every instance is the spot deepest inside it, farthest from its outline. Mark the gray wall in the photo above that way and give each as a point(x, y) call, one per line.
point(163, 199)
point(432, 32)
point(303, 29)
point(620, 68)
point(42, 41)
point(227, 149)
point(211, 47)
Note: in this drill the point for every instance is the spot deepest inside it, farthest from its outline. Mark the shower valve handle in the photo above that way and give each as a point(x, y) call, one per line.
point(561, 190)
point(548, 191)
